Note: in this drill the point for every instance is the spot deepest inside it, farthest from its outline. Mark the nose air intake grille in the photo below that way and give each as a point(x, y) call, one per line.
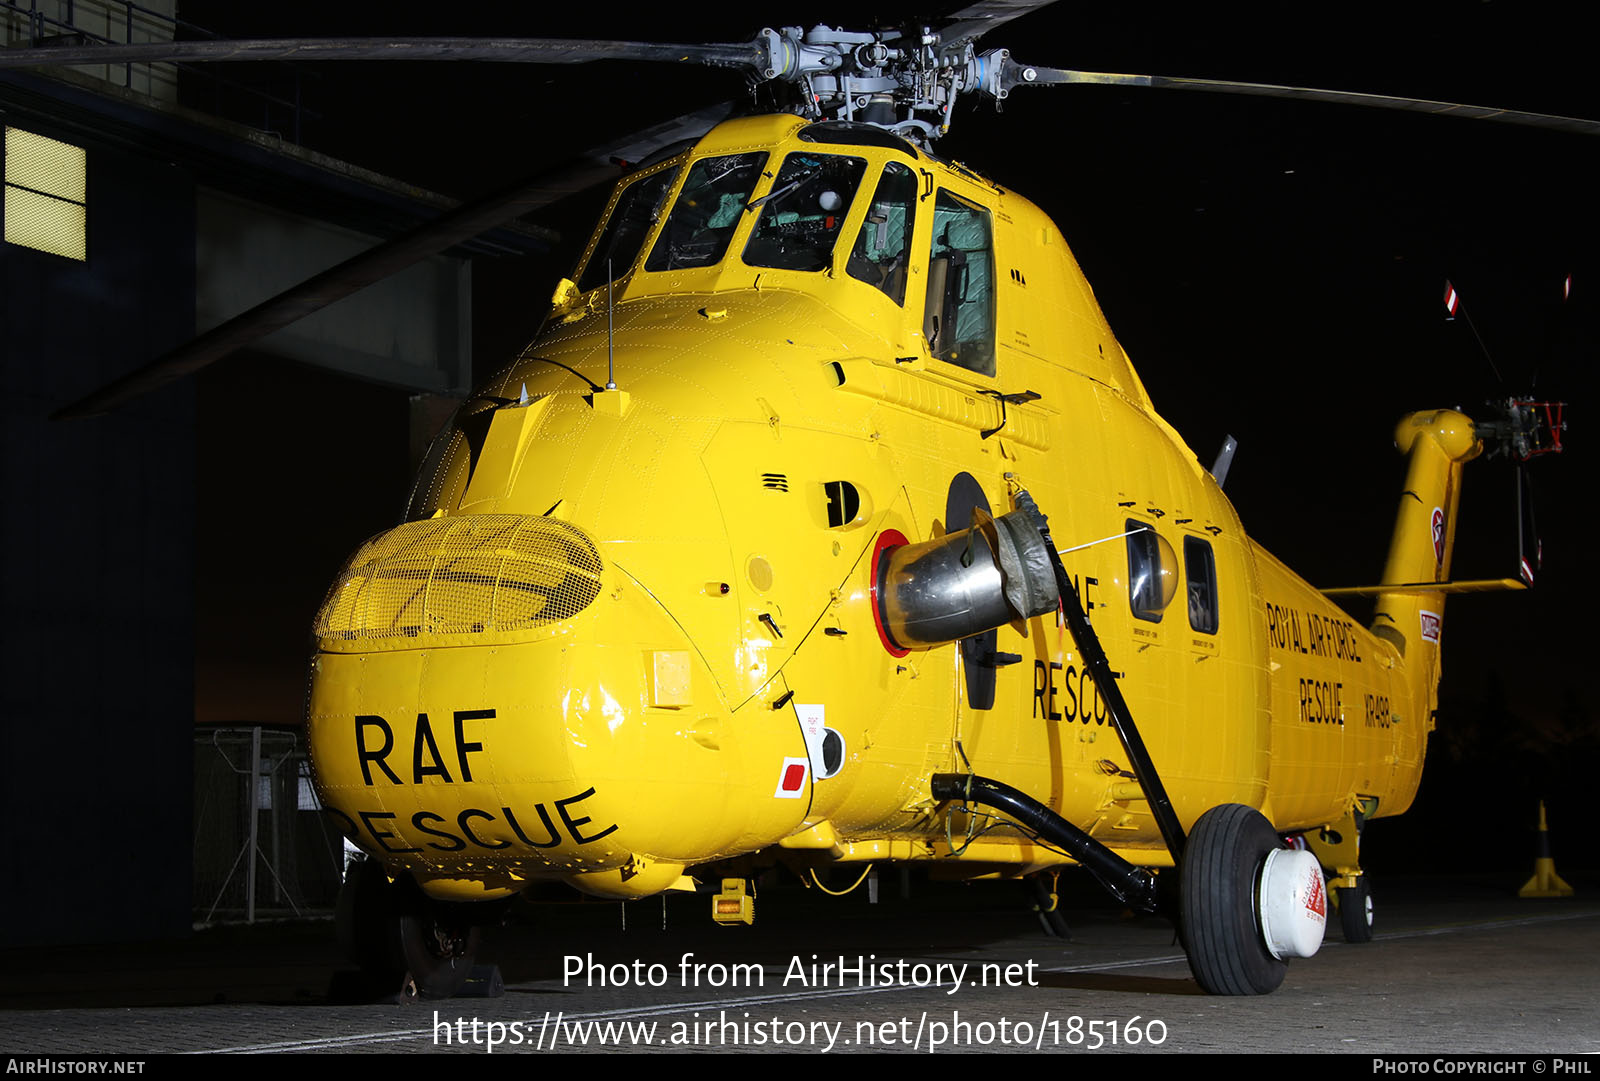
point(468, 575)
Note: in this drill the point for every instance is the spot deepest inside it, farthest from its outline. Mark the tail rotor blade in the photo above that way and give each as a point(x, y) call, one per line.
point(1529, 563)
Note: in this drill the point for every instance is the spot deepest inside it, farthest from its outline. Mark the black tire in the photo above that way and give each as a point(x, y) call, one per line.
point(1355, 911)
point(1218, 886)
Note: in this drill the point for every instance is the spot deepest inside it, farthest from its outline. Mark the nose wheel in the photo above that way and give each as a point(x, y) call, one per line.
point(404, 943)
point(438, 955)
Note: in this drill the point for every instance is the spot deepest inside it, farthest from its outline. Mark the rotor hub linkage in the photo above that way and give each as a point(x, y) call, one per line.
point(1526, 429)
point(906, 82)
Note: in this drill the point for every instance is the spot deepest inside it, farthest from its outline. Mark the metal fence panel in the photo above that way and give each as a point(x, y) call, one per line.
point(262, 847)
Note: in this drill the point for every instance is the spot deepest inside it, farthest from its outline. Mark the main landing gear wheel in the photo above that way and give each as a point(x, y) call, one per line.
point(1222, 865)
point(1355, 911)
point(404, 943)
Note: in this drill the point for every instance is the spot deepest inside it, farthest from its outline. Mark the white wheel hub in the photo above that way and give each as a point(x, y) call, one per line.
point(1292, 902)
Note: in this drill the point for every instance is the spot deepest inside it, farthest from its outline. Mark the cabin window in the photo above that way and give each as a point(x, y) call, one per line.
point(884, 244)
point(1200, 572)
point(1145, 572)
point(959, 318)
point(801, 215)
point(633, 213)
point(706, 213)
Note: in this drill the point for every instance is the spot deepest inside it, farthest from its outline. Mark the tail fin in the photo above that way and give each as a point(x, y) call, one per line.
point(1439, 444)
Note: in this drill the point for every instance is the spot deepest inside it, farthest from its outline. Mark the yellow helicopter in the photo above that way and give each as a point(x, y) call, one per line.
point(827, 511)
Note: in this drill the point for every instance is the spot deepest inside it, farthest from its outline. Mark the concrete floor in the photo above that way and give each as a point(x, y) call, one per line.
point(1457, 967)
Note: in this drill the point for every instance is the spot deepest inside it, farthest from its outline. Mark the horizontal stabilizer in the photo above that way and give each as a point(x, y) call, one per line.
point(1480, 585)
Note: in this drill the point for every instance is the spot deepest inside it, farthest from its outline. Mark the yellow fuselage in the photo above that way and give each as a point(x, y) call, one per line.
point(592, 651)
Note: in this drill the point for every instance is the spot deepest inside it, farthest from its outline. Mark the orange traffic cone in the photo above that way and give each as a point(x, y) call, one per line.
point(1545, 882)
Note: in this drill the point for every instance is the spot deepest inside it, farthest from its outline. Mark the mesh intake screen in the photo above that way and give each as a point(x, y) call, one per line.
point(467, 575)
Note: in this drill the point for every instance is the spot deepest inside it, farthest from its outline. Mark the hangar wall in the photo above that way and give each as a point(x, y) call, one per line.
point(96, 586)
point(408, 331)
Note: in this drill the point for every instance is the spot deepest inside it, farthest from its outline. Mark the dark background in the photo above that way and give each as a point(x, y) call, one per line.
point(1275, 269)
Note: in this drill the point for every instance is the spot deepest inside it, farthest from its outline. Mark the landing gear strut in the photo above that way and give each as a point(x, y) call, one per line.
point(1338, 847)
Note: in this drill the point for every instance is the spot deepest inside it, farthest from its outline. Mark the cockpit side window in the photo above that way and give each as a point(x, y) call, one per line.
point(706, 213)
point(959, 318)
point(801, 215)
point(634, 211)
point(884, 244)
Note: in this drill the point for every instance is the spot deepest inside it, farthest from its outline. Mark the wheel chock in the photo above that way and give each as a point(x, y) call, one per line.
point(1545, 882)
point(484, 981)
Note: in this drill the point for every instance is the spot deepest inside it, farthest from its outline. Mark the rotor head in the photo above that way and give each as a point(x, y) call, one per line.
point(906, 82)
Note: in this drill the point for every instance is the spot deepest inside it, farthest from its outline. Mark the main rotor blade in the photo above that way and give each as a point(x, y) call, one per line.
point(501, 50)
point(1027, 75)
point(354, 274)
point(978, 19)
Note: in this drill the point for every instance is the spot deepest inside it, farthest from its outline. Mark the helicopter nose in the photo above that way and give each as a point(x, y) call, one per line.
point(491, 704)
